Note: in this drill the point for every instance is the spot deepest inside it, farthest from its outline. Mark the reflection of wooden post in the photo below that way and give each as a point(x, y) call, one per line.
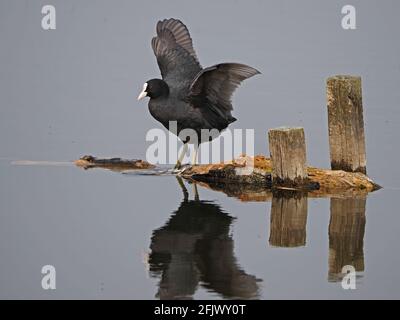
point(346, 236)
point(288, 154)
point(346, 124)
point(288, 220)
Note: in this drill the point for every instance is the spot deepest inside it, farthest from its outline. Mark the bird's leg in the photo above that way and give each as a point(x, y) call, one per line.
point(194, 159)
point(181, 156)
point(195, 192)
point(184, 190)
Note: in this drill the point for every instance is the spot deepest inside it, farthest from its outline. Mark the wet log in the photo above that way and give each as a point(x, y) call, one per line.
point(228, 177)
point(346, 124)
point(114, 164)
point(257, 186)
point(288, 154)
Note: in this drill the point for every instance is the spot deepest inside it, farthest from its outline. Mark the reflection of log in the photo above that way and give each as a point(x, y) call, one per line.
point(195, 246)
point(243, 192)
point(114, 164)
point(346, 235)
point(288, 220)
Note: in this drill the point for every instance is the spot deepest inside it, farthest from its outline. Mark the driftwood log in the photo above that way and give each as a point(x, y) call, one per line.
point(258, 186)
point(230, 179)
point(114, 164)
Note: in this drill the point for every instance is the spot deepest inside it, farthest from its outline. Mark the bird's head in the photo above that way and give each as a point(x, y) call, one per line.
point(154, 88)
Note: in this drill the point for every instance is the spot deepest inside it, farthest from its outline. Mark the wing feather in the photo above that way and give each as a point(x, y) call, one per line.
point(174, 51)
point(216, 84)
point(180, 33)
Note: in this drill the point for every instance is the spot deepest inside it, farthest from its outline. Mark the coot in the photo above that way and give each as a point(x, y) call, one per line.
point(194, 97)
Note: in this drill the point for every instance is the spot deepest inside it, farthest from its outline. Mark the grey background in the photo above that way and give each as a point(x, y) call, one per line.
point(72, 91)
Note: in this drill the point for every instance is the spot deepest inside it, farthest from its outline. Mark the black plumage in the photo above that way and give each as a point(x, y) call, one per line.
point(194, 97)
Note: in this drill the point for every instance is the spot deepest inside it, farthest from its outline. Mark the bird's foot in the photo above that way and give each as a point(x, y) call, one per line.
point(181, 168)
point(178, 165)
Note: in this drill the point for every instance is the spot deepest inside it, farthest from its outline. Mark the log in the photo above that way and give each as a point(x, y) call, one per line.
point(288, 154)
point(288, 219)
point(346, 236)
point(228, 178)
point(258, 186)
point(346, 124)
point(114, 164)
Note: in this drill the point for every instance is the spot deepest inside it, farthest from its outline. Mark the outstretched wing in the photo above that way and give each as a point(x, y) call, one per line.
point(174, 51)
point(215, 85)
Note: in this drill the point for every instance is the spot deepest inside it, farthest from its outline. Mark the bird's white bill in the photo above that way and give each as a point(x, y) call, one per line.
point(143, 93)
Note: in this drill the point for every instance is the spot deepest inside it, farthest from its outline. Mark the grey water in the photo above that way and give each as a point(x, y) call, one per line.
point(72, 91)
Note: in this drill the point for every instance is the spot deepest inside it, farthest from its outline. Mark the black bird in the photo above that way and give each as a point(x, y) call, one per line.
point(194, 97)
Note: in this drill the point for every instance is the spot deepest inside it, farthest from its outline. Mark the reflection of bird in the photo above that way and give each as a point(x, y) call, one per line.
point(194, 247)
point(195, 98)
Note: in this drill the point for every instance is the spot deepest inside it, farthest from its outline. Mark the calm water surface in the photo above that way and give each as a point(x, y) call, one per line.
point(117, 236)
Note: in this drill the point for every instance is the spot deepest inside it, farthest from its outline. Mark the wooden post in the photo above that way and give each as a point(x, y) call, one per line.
point(346, 124)
point(288, 154)
point(288, 219)
point(346, 236)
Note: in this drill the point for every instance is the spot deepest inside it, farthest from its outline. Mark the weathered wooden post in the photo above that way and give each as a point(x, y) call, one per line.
point(346, 124)
point(346, 236)
point(288, 154)
point(288, 219)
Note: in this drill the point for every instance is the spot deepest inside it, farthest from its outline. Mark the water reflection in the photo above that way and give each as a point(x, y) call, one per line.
point(346, 228)
point(288, 219)
point(346, 236)
point(194, 248)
